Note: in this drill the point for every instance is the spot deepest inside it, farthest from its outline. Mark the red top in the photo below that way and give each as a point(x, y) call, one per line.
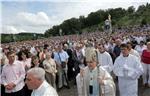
point(145, 57)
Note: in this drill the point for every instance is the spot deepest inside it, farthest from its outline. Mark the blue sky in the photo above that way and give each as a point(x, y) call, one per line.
point(40, 15)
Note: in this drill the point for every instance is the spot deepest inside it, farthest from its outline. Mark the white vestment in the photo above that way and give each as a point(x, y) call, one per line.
point(135, 53)
point(83, 82)
point(128, 69)
point(140, 49)
point(105, 60)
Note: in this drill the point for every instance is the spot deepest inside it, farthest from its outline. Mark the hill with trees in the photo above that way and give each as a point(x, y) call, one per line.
point(6, 38)
point(94, 21)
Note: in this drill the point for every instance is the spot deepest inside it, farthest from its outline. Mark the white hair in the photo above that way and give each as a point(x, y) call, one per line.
point(90, 54)
point(37, 72)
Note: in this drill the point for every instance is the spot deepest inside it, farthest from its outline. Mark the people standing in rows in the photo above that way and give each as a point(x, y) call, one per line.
point(128, 68)
point(145, 58)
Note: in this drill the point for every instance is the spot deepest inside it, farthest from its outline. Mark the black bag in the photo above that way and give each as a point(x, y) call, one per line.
point(63, 64)
point(90, 89)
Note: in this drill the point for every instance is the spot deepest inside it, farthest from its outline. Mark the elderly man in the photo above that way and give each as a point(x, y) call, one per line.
point(116, 51)
point(128, 69)
point(94, 80)
point(35, 81)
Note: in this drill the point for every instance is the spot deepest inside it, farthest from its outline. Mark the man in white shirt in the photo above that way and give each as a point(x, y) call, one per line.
point(132, 51)
point(35, 81)
point(13, 74)
point(140, 47)
point(104, 58)
point(128, 69)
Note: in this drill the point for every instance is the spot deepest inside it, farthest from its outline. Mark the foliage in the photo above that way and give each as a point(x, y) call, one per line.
point(120, 17)
point(6, 38)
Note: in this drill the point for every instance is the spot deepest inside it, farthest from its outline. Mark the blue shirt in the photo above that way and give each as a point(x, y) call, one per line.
point(61, 56)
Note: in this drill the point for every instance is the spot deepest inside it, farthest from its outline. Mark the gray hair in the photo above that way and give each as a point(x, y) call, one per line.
point(37, 72)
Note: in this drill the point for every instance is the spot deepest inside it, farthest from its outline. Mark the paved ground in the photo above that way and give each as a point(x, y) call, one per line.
point(73, 91)
point(69, 92)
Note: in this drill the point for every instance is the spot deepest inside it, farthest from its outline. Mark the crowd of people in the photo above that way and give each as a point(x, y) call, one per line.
point(92, 61)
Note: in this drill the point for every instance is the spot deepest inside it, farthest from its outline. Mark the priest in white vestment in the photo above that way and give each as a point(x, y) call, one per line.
point(94, 80)
point(128, 69)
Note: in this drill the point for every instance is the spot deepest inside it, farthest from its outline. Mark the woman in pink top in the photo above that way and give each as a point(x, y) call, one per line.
point(23, 57)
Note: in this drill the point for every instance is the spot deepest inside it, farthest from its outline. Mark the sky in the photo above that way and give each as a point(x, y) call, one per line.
point(32, 16)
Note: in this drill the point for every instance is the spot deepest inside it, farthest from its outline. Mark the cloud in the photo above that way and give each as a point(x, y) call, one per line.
point(85, 7)
point(11, 30)
point(76, 9)
point(40, 18)
point(27, 22)
point(27, 18)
